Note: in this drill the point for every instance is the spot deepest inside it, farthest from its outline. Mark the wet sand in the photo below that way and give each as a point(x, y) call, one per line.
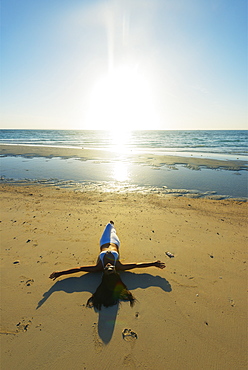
point(191, 315)
point(193, 162)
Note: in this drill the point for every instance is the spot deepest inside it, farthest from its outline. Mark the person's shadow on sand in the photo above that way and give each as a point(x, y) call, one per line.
point(89, 282)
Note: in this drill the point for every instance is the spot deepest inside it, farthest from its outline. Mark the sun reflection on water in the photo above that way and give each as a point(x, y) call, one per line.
point(120, 144)
point(120, 171)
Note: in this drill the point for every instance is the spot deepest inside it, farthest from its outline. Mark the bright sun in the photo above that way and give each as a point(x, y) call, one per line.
point(122, 100)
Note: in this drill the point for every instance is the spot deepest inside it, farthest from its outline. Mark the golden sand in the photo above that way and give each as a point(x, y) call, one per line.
point(191, 315)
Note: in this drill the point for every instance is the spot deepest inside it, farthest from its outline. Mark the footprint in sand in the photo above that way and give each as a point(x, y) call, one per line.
point(129, 335)
point(26, 281)
point(128, 361)
point(29, 282)
point(23, 325)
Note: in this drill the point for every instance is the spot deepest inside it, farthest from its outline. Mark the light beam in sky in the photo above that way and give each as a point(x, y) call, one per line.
point(134, 64)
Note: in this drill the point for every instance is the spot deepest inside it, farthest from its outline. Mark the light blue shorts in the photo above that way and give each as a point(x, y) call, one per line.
point(109, 235)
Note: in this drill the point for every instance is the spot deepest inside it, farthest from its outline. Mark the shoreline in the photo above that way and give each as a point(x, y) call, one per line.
point(191, 314)
point(155, 160)
point(107, 171)
point(181, 152)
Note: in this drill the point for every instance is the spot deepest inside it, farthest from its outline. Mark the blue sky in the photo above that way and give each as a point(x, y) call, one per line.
point(138, 64)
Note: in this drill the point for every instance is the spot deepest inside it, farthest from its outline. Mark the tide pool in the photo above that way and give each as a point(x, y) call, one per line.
point(125, 176)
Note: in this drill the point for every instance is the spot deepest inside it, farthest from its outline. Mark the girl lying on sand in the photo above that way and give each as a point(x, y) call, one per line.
point(111, 289)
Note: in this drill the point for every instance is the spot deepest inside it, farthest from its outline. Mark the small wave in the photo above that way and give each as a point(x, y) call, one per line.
point(211, 141)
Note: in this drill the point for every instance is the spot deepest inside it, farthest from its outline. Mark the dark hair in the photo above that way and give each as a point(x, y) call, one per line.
point(110, 292)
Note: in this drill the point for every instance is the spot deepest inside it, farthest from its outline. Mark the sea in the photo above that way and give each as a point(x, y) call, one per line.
point(123, 176)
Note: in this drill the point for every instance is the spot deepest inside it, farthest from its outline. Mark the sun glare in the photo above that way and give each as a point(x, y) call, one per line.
point(122, 100)
point(120, 140)
point(120, 171)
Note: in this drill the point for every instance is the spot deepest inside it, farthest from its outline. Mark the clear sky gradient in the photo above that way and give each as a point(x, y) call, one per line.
point(133, 64)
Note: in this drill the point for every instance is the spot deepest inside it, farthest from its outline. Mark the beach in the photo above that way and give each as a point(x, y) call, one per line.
point(132, 114)
point(191, 315)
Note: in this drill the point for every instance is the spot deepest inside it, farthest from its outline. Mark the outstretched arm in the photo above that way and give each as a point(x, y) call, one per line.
point(129, 266)
point(90, 268)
